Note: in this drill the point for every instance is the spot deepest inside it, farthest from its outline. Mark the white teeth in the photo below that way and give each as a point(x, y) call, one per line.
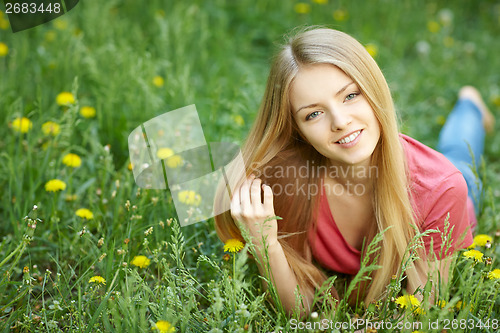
point(350, 137)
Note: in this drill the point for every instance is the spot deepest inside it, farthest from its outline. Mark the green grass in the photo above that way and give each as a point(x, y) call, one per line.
point(214, 54)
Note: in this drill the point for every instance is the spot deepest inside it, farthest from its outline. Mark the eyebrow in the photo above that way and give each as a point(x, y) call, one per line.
point(316, 104)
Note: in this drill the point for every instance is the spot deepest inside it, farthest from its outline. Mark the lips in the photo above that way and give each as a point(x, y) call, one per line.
point(349, 137)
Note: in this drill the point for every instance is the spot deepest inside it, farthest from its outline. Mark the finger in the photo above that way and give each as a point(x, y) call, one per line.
point(268, 199)
point(236, 204)
point(245, 195)
point(255, 192)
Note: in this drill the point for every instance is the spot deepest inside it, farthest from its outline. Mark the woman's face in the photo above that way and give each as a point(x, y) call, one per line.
point(333, 115)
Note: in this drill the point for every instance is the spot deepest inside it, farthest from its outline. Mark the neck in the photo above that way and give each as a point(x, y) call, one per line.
point(352, 175)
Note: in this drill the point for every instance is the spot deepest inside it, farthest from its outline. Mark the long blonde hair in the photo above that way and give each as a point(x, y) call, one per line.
point(275, 140)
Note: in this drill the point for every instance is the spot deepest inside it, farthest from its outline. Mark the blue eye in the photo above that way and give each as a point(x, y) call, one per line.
point(312, 115)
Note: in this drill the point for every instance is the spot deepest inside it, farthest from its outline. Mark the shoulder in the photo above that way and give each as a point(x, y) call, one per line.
point(432, 176)
point(426, 166)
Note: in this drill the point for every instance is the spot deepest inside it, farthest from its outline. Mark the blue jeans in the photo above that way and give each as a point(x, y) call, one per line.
point(462, 134)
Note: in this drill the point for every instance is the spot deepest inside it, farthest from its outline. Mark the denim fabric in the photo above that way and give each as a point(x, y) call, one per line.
point(462, 134)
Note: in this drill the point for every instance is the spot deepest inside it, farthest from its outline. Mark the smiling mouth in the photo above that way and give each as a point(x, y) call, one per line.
point(349, 138)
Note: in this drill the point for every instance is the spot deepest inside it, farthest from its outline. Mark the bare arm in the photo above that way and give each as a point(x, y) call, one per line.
point(248, 209)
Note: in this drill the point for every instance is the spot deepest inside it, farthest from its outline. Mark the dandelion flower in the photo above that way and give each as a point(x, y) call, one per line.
point(441, 303)
point(233, 245)
point(238, 120)
point(494, 274)
point(163, 153)
point(302, 8)
point(340, 15)
point(189, 197)
point(448, 41)
point(482, 239)
point(158, 81)
point(440, 120)
point(321, 2)
point(174, 161)
point(97, 280)
point(130, 166)
point(372, 49)
point(84, 213)
point(496, 100)
point(72, 160)
point(4, 24)
point(22, 125)
point(164, 326)
point(408, 301)
point(61, 24)
point(87, 112)
point(55, 185)
point(4, 49)
point(474, 254)
point(141, 261)
point(51, 128)
point(433, 26)
point(65, 98)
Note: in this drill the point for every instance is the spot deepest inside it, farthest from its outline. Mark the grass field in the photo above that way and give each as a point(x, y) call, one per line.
point(123, 263)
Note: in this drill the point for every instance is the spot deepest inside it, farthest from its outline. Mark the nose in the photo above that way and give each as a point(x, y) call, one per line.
point(339, 119)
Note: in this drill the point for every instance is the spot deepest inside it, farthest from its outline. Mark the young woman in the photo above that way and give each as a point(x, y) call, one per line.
point(326, 156)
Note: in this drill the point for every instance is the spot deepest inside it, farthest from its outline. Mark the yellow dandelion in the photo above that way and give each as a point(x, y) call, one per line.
point(302, 8)
point(61, 24)
point(163, 153)
point(474, 254)
point(496, 100)
point(440, 120)
point(340, 15)
point(408, 301)
point(65, 98)
point(84, 213)
point(97, 280)
point(472, 246)
point(433, 26)
point(238, 120)
point(72, 160)
point(55, 185)
point(4, 49)
point(141, 261)
point(158, 81)
point(441, 303)
point(87, 112)
point(164, 326)
point(189, 197)
point(233, 245)
point(22, 124)
point(71, 197)
point(448, 41)
point(494, 274)
point(4, 24)
point(130, 166)
point(174, 161)
point(372, 49)
point(51, 128)
point(460, 305)
point(482, 239)
point(50, 36)
point(321, 2)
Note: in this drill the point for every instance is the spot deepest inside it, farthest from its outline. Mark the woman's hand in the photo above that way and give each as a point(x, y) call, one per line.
point(250, 211)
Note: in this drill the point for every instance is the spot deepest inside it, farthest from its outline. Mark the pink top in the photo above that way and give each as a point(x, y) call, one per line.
point(437, 188)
